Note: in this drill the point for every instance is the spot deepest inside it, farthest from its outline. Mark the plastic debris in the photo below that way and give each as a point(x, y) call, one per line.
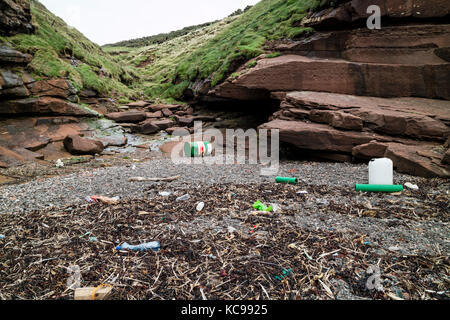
point(286, 180)
point(184, 198)
point(102, 199)
point(258, 205)
point(59, 163)
point(155, 246)
point(200, 206)
point(302, 192)
point(2, 237)
point(411, 186)
point(379, 188)
point(322, 202)
point(102, 292)
point(93, 239)
point(164, 193)
point(232, 229)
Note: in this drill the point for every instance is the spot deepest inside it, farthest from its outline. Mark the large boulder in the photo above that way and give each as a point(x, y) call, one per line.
point(148, 127)
point(15, 17)
point(164, 124)
point(77, 145)
point(416, 160)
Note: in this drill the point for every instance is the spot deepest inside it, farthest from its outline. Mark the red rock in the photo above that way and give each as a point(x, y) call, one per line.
point(125, 117)
point(160, 107)
point(356, 10)
point(184, 121)
point(55, 87)
point(167, 113)
point(415, 117)
point(164, 124)
point(178, 131)
point(148, 127)
point(27, 154)
point(292, 72)
point(138, 104)
point(169, 146)
point(313, 136)
point(346, 121)
point(43, 106)
point(152, 115)
point(370, 150)
point(81, 146)
point(36, 144)
point(114, 141)
point(406, 160)
point(10, 157)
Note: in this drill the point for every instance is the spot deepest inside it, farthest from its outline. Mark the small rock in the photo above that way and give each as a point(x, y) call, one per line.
point(200, 206)
point(322, 202)
point(59, 163)
point(411, 186)
point(184, 198)
point(232, 229)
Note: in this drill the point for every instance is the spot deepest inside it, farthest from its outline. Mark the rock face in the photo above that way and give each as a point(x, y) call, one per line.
point(346, 91)
point(11, 56)
point(77, 145)
point(61, 88)
point(15, 17)
point(43, 106)
point(294, 72)
point(354, 11)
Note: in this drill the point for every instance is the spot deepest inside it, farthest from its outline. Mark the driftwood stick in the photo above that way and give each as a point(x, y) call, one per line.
point(141, 179)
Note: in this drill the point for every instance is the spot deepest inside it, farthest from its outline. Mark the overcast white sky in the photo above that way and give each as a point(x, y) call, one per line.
point(109, 21)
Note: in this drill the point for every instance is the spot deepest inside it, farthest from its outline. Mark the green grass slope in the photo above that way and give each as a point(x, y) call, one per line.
point(55, 42)
point(156, 64)
point(172, 66)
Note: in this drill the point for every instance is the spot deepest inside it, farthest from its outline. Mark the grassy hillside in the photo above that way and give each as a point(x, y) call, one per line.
point(157, 63)
point(55, 43)
point(174, 65)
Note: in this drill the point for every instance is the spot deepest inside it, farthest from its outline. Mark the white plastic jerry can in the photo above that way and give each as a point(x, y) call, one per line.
point(381, 171)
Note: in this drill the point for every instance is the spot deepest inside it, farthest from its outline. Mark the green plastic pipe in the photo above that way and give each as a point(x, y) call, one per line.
point(286, 180)
point(379, 188)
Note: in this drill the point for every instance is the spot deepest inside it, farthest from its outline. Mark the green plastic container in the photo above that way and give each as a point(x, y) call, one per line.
point(198, 149)
point(379, 188)
point(286, 180)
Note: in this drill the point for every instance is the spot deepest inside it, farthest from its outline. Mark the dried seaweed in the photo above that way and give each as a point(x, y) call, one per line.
point(224, 252)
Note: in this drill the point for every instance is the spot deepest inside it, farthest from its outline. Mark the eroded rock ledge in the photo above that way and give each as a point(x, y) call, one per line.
point(347, 92)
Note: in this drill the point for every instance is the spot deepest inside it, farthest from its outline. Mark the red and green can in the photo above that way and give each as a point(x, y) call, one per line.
point(198, 149)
